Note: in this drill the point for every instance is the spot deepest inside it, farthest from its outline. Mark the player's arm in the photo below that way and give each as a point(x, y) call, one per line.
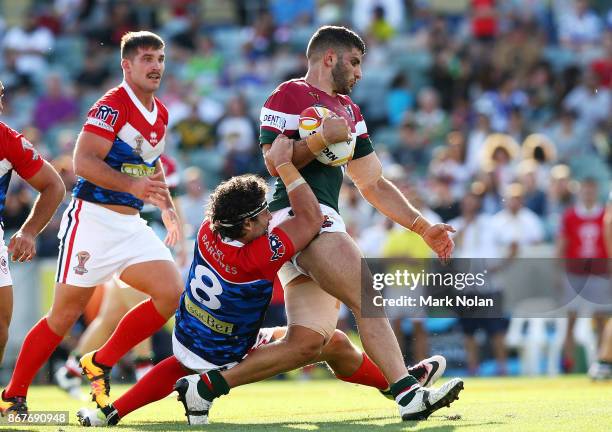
point(306, 223)
point(51, 189)
point(169, 213)
point(89, 154)
point(366, 173)
point(334, 129)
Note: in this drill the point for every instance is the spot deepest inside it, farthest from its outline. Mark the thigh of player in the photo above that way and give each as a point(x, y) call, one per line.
point(334, 261)
point(307, 304)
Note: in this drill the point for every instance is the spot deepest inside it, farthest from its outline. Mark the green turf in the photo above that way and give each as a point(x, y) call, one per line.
point(506, 404)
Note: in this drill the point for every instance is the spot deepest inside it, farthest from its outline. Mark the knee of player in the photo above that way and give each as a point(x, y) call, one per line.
point(339, 342)
point(309, 351)
point(60, 320)
point(307, 348)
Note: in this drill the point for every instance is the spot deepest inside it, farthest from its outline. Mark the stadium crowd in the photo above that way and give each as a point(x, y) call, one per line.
point(492, 115)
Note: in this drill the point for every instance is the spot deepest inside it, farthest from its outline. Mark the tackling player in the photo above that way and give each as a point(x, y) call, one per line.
point(16, 153)
point(329, 269)
point(235, 260)
point(117, 161)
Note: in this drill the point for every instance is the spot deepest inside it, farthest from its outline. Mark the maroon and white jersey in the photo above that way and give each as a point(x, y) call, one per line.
point(281, 114)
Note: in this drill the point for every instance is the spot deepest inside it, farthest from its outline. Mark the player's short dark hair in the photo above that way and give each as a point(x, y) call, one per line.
point(132, 41)
point(335, 37)
point(231, 201)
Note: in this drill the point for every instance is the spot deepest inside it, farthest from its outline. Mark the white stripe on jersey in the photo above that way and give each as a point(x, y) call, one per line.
point(279, 120)
point(150, 116)
point(129, 133)
point(5, 166)
point(361, 128)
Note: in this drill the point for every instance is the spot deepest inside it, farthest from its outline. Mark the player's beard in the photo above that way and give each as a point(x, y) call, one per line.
point(342, 83)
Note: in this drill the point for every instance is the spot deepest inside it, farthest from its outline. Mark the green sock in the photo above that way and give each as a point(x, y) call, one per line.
point(212, 385)
point(405, 388)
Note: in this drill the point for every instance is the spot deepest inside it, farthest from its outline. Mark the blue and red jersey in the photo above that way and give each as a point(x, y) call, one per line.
point(138, 136)
point(227, 293)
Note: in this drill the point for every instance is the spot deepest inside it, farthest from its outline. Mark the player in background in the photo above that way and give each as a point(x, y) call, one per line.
point(581, 244)
point(602, 368)
point(117, 161)
point(16, 153)
point(314, 283)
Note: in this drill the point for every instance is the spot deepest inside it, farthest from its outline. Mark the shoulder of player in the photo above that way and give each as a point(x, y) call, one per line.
point(162, 108)
point(8, 134)
point(295, 87)
point(7, 131)
point(116, 97)
point(292, 85)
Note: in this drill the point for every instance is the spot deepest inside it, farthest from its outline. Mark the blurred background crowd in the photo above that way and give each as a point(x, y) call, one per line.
point(494, 115)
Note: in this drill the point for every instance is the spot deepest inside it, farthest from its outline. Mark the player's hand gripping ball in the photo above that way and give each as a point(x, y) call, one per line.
point(335, 154)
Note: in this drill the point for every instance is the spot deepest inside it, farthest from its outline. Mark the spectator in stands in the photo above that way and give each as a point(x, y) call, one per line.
point(535, 197)
point(602, 65)
point(93, 74)
point(411, 152)
point(400, 99)
point(236, 139)
point(31, 44)
point(450, 163)
point(193, 133)
point(570, 137)
point(590, 100)
point(542, 151)
point(55, 106)
point(500, 154)
point(363, 9)
point(380, 29)
point(193, 201)
point(505, 97)
point(580, 28)
point(203, 67)
point(293, 13)
point(355, 211)
point(484, 23)
point(478, 135)
point(430, 119)
point(515, 228)
point(441, 199)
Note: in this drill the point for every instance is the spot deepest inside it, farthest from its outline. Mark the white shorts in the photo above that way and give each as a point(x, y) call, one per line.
point(199, 365)
point(96, 243)
point(5, 272)
point(332, 223)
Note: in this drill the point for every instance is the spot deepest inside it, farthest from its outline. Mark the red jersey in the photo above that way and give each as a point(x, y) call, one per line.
point(16, 153)
point(583, 232)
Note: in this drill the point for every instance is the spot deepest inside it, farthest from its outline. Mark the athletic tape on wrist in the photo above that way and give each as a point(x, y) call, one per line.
point(294, 184)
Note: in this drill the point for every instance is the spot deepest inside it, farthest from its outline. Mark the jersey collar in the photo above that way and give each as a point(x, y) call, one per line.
point(149, 116)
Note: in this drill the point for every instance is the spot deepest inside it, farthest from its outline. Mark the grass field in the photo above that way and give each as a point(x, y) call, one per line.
point(505, 404)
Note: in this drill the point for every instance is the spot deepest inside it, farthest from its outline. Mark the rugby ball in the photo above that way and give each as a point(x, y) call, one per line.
point(337, 154)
